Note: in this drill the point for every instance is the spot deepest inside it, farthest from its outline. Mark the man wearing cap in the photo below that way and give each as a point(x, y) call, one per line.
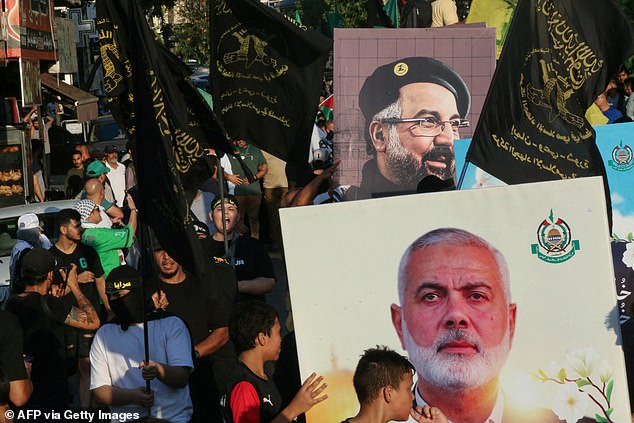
point(96, 169)
point(117, 368)
point(42, 316)
point(107, 241)
point(116, 174)
point(29, 235)
point(413, 110)
point(247, 256)
point(110, 213)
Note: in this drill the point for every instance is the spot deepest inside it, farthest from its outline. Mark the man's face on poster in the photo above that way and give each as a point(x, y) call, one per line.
point(455, 321)
point(405, 153)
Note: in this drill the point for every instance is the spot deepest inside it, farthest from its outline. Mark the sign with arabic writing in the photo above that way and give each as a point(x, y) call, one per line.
point(614, 143)
point(553, 66)
point(266, 72)
point(565, 361)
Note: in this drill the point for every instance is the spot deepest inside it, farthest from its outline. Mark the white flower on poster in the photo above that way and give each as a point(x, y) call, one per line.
point(584, 380)
point(570, 403)
point(628, 255)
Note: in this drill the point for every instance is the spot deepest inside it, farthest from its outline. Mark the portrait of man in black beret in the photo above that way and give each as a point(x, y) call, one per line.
point(413, 109)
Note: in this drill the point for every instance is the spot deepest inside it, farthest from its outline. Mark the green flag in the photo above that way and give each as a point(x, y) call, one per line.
point(334, 20)
point(391, 8)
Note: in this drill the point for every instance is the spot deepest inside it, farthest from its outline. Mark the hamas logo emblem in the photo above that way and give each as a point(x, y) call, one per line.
point(622, 159)
point(555, 244)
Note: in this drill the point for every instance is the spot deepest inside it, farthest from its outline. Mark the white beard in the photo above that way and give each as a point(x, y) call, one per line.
point(456, 372)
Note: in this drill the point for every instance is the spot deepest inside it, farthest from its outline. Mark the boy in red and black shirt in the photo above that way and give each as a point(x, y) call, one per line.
point(251, 395)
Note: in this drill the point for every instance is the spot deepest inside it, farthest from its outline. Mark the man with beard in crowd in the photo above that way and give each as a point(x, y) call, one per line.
point(116, 174)
point(413, 110)
point(205, 306)
point(456, 321)
point(68, 250)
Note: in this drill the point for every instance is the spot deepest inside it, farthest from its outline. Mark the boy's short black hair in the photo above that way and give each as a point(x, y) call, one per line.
point(378, 368)
point(249, 319)
point(64, 217)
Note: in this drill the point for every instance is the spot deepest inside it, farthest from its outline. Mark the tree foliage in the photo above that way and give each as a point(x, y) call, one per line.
point(628, 9)
point(155, 8)
point(313, 12)
point(191, 35)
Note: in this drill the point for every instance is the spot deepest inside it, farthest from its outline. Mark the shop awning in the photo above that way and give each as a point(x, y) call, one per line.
point(85, 103)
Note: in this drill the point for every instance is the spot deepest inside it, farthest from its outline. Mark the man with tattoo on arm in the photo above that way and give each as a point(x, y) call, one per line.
point(43, 315)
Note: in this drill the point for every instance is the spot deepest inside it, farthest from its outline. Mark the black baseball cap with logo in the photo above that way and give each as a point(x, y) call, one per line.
point(123, 277)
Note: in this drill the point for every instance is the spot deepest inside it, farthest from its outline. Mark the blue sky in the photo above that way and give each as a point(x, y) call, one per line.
point(621, 183)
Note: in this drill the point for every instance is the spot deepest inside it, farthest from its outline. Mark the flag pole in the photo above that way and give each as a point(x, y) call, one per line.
point(221, 180)
point(463, 172)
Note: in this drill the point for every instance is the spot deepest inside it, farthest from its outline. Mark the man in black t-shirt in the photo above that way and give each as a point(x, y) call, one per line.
point(247, 256)
point(205, 307)
point(12, 364)
point(70, 250)
point(42, 316)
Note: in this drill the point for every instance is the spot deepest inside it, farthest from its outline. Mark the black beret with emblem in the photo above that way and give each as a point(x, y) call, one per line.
point(382, 87)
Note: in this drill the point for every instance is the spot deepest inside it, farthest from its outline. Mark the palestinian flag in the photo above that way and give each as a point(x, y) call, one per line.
point(327, 106)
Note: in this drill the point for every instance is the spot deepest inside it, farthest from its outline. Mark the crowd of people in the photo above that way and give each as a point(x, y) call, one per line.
point(616, 103)
point(79, 304)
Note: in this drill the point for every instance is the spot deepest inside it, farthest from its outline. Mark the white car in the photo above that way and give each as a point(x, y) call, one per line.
point(9, 224)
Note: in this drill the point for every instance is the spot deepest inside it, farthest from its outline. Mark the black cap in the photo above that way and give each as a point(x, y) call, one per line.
point(110, 149)
point(123, 277)
point(37, 263)
point(382, 87)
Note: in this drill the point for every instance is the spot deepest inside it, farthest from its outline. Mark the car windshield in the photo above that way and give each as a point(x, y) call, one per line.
point(9, 227)
point(105, 130)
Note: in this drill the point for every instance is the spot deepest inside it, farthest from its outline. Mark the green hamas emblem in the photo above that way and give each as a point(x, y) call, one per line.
point(622, 158)
point(554, 241)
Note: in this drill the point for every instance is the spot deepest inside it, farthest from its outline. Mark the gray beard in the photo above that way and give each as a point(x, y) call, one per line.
point(455, 372)
point(407, 171)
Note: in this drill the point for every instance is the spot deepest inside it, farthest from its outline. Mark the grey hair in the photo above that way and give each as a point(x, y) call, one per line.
point(392, 111)
point(457, 237)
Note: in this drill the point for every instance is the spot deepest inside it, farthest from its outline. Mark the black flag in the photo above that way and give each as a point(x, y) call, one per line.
point(559, 55)
point(147, 88)
point(266, 72)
